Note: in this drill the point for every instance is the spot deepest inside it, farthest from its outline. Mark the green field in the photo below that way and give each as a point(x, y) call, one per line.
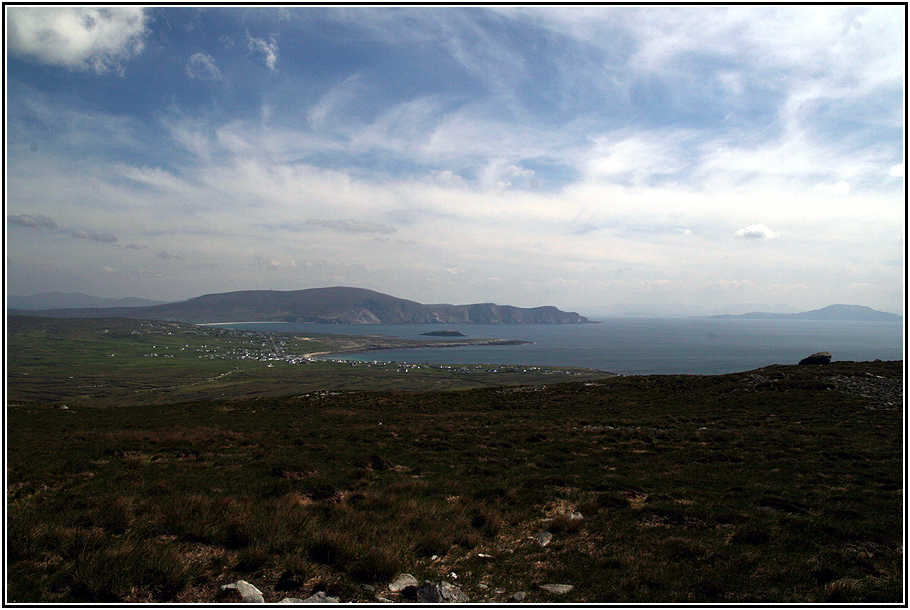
point(120, 361)
point(780, 485)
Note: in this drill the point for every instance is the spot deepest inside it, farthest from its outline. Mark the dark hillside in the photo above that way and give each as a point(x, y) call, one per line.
point(325, 305)
point(779, 485)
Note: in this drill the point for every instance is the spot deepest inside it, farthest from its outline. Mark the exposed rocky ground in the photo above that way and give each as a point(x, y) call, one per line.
point(879, 392)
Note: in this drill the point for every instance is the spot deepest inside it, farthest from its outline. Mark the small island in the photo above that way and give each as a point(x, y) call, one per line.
point(443, 333)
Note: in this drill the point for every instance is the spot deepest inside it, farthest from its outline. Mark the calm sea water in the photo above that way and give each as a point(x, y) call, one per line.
point(635, 346)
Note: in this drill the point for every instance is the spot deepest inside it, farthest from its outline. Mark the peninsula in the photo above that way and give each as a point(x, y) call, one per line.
point(339, 305)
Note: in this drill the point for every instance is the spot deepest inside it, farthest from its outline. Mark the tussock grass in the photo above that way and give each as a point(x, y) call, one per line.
point(692, 489)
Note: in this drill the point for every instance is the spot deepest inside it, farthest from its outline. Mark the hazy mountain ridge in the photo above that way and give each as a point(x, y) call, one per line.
point(845, 313)
point(69, 300)
point(681, 310)
point(339, 304)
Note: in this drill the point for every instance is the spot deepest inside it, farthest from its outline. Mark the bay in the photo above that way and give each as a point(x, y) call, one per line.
point(632, 346)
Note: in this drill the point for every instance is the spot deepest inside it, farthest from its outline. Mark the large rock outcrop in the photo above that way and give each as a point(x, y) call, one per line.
point(817, 358)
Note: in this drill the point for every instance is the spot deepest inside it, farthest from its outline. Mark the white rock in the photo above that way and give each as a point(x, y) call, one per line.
point(320, 598)
point(543, 538)
point(440, 592)
point(557, 589)
point(403, 580)
point(249, 593)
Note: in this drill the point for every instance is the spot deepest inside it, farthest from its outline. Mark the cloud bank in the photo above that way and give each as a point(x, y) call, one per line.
point(25, 220)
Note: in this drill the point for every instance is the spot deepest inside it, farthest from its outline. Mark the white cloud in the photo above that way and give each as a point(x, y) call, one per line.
point(274, 262)
point(202, 66)
point(897, 171)
point(106, 238)
point(640, 155)
point(98, 39)
point(754, 232)
point(268, 49)
point(838, 188)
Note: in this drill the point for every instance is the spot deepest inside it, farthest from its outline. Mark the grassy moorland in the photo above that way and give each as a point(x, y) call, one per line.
point(783, 484)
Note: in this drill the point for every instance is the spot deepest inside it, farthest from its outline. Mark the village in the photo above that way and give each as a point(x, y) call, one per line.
point(272, 348)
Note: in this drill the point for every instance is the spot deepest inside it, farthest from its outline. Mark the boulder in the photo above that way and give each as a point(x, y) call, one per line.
point(440, 592)
point(403, 580)
point(249, 593)
point(817, 358)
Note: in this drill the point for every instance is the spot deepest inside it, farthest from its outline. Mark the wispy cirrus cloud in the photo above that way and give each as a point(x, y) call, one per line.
point(202, 66)
point(350, 225)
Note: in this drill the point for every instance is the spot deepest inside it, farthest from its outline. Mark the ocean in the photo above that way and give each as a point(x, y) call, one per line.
point(633, 346)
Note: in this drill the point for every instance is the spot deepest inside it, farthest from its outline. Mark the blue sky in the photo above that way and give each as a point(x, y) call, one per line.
point(579, 156)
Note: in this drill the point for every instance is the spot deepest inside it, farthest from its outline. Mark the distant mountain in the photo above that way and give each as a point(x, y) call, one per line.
point(647, 310)
point(844, 313)
point(681, 310)
point(741, 308)
point(325, 305)
point(60, 300)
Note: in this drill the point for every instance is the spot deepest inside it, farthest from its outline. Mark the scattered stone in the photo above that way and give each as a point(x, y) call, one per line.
point(519, 596)
point(557, 589)
point(484, 556)
point(403, 580)
point(543, 538)
point(817, 358)
point(877, 392)
point(320, 598)
point(440, 592)
point(249, 593)
point(291, 600)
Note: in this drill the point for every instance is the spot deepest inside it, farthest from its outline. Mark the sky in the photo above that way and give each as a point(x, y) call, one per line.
point(577, 156)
